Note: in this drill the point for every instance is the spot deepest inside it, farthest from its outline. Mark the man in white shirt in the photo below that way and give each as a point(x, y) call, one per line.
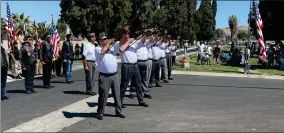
point(163, 44)
point(108, 77)
point(142, 60)
point(200, 51)
point(129, 68)
point(156, 63)
point(168, 58)
point(89, 59)
point(173, 49)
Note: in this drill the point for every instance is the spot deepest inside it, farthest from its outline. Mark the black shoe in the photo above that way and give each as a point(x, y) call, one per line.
point(5, 97)
point(120, 115)
point(170, 78)
point(166, 81)
point(143, 104)
point(131, 96)
point(2, 98)
point(28, 92)
point(123, 106)
point(91, 93)
point(47, 87)
point(158, 85)
point(33, 91)
point(99, 116)
point(69, 82)
point(148, 96)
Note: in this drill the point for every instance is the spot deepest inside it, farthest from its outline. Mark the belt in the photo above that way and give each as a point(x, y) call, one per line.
point(154, 60)
point(91, 61)
point(162, 58)
point(129, 63)
point(168, 53)
point(142, 60)
point(107, 74)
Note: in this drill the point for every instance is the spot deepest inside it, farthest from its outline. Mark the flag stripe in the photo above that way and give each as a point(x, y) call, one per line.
point(55, 40)
point(259, 26)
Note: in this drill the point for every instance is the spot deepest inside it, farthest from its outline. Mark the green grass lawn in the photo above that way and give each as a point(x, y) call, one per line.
point(226, 68)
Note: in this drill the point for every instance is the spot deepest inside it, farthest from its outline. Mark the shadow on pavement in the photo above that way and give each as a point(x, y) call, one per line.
point(75, 92)
point(83, 115)
point(16, 91)
point(58, 82)
point(226, 86)
point(90, 104)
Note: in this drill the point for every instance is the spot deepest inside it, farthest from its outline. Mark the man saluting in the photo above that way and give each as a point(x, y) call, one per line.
point(108, 77)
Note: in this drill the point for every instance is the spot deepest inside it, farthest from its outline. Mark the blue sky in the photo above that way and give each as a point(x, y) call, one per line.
point(42, 10)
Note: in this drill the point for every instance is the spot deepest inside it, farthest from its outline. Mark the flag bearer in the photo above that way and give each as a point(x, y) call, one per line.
point(28, 63)
point(129, 68)
point(46, 55)
point(108, 77)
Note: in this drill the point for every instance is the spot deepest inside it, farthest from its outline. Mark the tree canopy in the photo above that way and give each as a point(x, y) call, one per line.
point(178, 17)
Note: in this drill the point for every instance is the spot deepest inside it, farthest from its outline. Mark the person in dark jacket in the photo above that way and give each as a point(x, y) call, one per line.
point(46, 54)
point(68, 55)
point(4, 72)
point(28, 63)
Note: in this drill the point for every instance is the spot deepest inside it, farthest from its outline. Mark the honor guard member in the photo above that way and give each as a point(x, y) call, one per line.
point(68, 55)
point(4, 72)
point(163, 44)
point(28, 63)
point(149, 44)
point(129, 68)
point(169, 57)
point(108, 77)
point(156, 63)
point(89, 60)
point(142, 59)
point(46, 55)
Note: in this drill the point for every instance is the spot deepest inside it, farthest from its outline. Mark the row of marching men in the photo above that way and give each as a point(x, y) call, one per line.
point(142, 55)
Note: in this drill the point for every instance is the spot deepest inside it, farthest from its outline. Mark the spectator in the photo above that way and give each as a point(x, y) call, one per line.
point(217, 52)
point(77, 51)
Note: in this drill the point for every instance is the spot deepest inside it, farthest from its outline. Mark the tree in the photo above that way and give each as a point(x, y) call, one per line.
point(233, 25)
point(61, 28)
point(220, 34)
point(206, 21)
point(243, 35)
point(3, 30)
point(20, 20)
point(95, 15)
point(214, 9)
point(271, 14)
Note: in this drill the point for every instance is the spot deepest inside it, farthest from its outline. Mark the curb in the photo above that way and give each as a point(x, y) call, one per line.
point(212, 74)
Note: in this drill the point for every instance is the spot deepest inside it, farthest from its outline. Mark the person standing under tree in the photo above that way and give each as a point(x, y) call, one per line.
point(28, 62)
point(4, 72)
point(46, 55)
point(68, 56)
point(77, 51)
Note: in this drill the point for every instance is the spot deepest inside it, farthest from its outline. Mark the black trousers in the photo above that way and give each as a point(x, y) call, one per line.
point(58, 66)
point(155, 74)
point(29, 75)
point(173, 60)
point(130, 72)
point(47, 71)
point(169, 64)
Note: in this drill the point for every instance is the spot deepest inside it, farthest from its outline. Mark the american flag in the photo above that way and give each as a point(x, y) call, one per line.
point(259, 26)
point(9, 25)
point(55, 40)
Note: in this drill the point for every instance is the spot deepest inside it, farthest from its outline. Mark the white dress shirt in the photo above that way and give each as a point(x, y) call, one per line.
point(149, 45)
point(107, 63)
point(142, 52)
point(173, 50)
point(162, 47)
point(167, 50)
point(129, 55)
point(89, 51)
point(156, 51)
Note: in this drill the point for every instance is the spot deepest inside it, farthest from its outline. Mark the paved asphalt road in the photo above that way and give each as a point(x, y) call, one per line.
point(188, 103)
